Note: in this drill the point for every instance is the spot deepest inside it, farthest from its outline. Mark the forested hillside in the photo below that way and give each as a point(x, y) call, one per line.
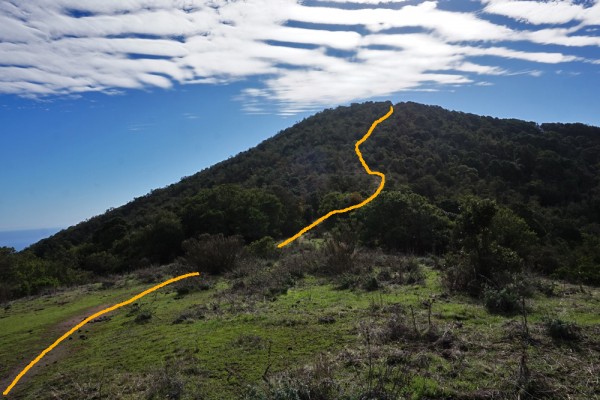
point(498, 193)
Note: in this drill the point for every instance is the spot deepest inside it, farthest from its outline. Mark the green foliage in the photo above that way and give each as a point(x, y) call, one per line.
point(233, 210)
point(34, 274)
point(502, 301)
point(7, 263)
point(101, 262)
point(404, 221)
point(338, 256)
point(541, 181)
point(213, 254)
point(161, 240)
point(562, 330)
point(264, 248)
point(585, 269)
point(490, 244)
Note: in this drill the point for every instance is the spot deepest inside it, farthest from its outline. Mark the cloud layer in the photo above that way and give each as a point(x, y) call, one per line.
point(302, 55)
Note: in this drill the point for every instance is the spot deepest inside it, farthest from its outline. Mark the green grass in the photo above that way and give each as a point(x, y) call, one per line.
point(242, 339)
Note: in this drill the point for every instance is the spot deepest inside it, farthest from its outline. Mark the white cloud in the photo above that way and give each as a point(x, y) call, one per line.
point(546, 12)
point(302, 56)
point(537, 12)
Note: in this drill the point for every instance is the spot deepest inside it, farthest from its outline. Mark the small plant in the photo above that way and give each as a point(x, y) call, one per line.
point(149, 275)
point(214, 254)
point(347, 281)
point(562, 330)
point(107, 284)
point(188, 286)
point(396, 329)
point(167, 383)
point(191, 315)
point(339, 257)
point(264, 248)
point(548, 289)
point(268, 282)
point(503, 301)
point(371, 284)
point(143, 316)
point(248, 341)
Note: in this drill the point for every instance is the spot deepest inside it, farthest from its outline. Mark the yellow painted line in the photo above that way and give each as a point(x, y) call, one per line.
point(354, 207)
point(88, 319)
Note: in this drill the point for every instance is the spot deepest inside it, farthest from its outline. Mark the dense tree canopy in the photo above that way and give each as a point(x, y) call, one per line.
point(542, 182)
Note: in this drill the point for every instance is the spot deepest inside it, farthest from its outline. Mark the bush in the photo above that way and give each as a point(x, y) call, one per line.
point(491, 245)
point(370, 284)
point(561, 330)
point(503, 301)
point(192, 314)
point(412, 271)
point(269, 281)
point(339, 256)
point(313, 382)
point(166, 383)
point(405, 222)
point(458, 274)
point(101, 262)
point(214, 254)
point(195, 284)
point(347, 281)
point(306, 261)
point(143, 316)
point(548, 289)
point(264, 248)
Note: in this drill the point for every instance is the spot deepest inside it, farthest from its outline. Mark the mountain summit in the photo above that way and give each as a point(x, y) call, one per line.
point(546, 173)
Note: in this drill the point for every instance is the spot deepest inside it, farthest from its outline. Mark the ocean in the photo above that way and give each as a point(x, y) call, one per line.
point(24, 238)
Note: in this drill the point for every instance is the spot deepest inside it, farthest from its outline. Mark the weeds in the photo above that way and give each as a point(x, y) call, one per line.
point(214, 254)
point(561, 330)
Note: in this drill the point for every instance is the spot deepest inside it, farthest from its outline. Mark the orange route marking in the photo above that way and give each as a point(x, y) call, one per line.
point(354, 207)
point(88, 319)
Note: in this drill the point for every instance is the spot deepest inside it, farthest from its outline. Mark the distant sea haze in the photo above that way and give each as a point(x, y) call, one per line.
point(24, 238)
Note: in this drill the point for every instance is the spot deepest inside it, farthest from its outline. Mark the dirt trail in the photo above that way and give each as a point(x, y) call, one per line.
point(54, 356)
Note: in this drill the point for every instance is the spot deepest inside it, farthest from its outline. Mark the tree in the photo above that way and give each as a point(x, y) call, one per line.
point(404, 221)
point(233, 210)
point(489, 247)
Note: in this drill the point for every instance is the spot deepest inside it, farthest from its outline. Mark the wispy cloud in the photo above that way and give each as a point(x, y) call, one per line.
point(303, 55)
point(138, 127)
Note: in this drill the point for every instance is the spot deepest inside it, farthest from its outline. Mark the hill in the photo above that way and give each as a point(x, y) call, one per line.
point(546, 174)
point(314, 340)
point(452, 284)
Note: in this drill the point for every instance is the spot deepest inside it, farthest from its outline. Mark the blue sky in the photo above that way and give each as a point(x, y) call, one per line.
point(102, 101)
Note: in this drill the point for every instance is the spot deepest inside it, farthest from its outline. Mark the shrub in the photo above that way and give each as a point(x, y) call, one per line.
point(458, 274)
point(395, 330)
point(312, 382)
point(191, 315)
point(196, 284)
point(561, 330)
point(264, 248)
point(347, 281)
point(548, 289)
point(268, 282)
point(370, 284)
point(503, 301)
point(339, 256)
point(490, 246)
point(214, 254)
point(308, 261)
point(166, 384)
point(101, 262)
point(149, 275)
point(143, 316)
point(412, 271)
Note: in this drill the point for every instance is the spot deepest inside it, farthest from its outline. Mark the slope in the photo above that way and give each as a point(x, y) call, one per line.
point(548, 174)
